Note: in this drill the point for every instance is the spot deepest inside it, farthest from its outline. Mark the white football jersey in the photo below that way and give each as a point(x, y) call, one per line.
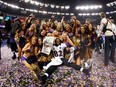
point(58, 50)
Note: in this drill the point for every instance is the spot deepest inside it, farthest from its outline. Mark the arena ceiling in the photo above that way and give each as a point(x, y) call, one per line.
point(71, 3)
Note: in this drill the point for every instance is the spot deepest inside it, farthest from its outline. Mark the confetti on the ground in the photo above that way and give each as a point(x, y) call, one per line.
point(14, 74)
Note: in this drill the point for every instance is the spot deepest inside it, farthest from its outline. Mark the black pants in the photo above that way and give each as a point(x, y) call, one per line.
point(109, 49)
point(99, 43)
point(13, 46)
point(0, 50)
point(51, 69)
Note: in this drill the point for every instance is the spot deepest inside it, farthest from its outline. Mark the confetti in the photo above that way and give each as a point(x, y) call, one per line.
point(14, 74)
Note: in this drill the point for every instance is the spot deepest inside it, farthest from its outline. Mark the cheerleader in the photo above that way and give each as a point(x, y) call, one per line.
point(30, 32)
point(85, 51)
point(29, 57)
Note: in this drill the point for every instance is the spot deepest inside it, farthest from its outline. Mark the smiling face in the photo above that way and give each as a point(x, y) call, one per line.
point(82, 30)
point(34, 40)
point(39, 41)
point(57, 41)
point(68, 28)
point(43, 32)
point(64, 36)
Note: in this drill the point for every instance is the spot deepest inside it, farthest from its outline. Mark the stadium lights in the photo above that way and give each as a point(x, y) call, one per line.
point(114, 11)
point(67, 13)
point(71, 13)
point(93, 14)
point(5, 3)
point(12, 6)
point(27, 9)
point(49, 12)
point(41, 4)
point(84, 14)
point(1, 1)
point(37, 3)
point(54, 13)
point(31, 10)
point(22, 8)
point(40, 11)
point(91, 7)
point(108, 5)
point(26, 1)
point(80, 14)
point(52, 6)
point(67, 7)
point(35, 11)
point(111, 12)
point(44, 12)
point(88, 14)
point(46, 5)
point(111, 4)
point(57, 6)
point(62, 7)
point(107, 12)
point(62, 13)
point(32, 2)
point(58, 13)
point(87, 7)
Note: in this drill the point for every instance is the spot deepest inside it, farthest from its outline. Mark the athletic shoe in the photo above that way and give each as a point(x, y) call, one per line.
point(14, 56)
point(86, 71)
point(42, 79)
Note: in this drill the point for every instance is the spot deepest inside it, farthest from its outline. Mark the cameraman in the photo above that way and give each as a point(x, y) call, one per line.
point(109, 38)
point(0, 43)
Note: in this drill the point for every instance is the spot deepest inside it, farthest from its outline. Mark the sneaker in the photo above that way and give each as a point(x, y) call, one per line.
point(89, 62)
point(44, 68)
point(14, 56)
point(86, 71)
point(42, 79)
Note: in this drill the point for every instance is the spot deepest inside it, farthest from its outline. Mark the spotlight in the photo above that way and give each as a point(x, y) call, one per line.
point(22, 8)
point(67, 7)
point(88, 14)
point(91, 7)
point(35, 11)
point(62, 13)
point(46, 5)
point(40, 12)
point(49, 12)
point(37, 3)
point(67, 13)
point(71, 13)
point(57, 6)
point(77, 7)
point(52, 6)
point(58, 13)
point(62, 7)
point(26, 1)
point(93, 14)
point(82, 7)
point(44, 12)
point(41, 4)
point(86, 7)
point(32, 2)
point(80, 14)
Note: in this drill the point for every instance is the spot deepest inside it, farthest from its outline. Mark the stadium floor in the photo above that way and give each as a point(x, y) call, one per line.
point(14, 74)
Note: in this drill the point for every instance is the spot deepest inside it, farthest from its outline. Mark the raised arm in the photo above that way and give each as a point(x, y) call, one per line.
point(25, 47)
